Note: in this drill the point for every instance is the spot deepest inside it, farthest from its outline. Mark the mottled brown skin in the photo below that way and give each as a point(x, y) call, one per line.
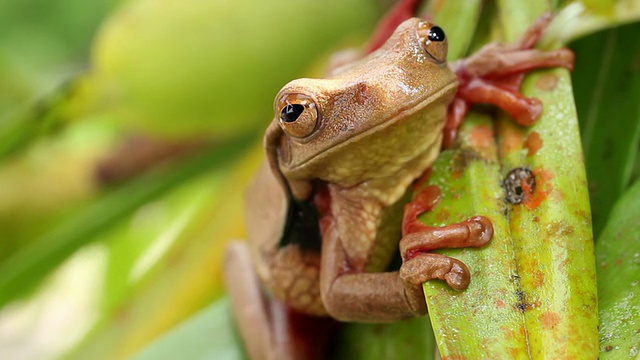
point(364, 135)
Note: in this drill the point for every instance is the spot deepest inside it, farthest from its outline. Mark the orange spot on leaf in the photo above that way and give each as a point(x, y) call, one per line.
point(538, 277)
point(533, 143)
point(511, 140)
point(443, 215)
point(481, 138)
point(549, 319)
point(547, 82)
point(543, 188)
point(499, 304)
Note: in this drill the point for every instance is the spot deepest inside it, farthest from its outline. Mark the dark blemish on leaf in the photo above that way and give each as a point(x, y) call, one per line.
point(518, 183)
point(461, 160)
point(521, 303)
point(608, 348)
point(560, 228)
point(522, 307)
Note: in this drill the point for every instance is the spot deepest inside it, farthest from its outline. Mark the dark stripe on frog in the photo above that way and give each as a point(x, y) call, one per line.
point(302, 226)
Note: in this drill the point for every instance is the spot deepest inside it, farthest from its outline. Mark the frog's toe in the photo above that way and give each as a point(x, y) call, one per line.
point(428, 266)
point(529, 112)
point(480, 231)
point(473, 232)
point(458, 277)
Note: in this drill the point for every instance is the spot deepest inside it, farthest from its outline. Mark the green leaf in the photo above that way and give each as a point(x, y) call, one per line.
point(407, 339)
point(517, 302)
point(553, 240)
point(206, 335)
point(458, 18)
point(532, 292)
point(581, 18)
point(26, 268)
point(214, 65)
point(618, 255)
point(21, 128)
point(607, 88)
point(162, 290)
point(209, 334)
point(483, 319)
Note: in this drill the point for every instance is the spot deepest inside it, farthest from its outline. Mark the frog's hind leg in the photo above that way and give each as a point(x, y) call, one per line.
point(249, 306)
point(269, 328)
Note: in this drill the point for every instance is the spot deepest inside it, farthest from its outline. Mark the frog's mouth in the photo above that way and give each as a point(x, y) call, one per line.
point(439, 100)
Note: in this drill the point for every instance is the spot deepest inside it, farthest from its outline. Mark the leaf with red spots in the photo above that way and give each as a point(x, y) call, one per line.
point(533, 291)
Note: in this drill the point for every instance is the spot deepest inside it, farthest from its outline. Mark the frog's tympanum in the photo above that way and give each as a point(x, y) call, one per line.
point(325, 211)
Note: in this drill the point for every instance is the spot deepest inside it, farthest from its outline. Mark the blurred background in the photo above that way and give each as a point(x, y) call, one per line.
point(129, 128)
point(127, 132)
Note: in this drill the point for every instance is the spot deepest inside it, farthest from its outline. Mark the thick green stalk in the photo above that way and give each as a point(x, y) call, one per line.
point(533, 289)
point(484, 319)
point(551, 229)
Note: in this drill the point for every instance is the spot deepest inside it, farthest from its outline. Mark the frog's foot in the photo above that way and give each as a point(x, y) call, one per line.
point(425, 267)
point(418, 239)
point(493, 76)
point(419, 265)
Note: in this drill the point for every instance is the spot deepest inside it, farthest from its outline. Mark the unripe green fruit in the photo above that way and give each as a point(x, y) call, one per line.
point(203, 67)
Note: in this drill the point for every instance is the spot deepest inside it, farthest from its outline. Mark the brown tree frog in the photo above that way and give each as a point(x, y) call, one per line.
point(325, 211)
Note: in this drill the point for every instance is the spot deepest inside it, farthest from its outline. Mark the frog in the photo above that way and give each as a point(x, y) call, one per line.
point(331, 204)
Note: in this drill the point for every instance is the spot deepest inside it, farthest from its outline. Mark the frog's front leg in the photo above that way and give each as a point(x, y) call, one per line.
point(351, 294)
point(493, 76)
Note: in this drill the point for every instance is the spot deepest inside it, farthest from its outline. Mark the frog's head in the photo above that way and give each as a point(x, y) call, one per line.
point(358, 120)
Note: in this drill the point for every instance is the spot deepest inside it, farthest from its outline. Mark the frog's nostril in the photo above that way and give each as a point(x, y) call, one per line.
point(291, 112)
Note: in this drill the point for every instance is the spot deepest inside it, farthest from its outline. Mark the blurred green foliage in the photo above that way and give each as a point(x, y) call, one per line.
point(41, 42)
point(201, 68)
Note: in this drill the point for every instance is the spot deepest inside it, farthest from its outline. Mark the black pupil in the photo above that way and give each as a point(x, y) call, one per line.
point(436, 34)
point(291, 112)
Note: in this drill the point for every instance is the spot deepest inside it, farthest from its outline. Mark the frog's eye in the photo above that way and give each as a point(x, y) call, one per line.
point(298, 114)
point(436, 34)
point(433, 41)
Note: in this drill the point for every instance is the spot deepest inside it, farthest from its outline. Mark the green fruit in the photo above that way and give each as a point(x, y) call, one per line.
point(202, 67)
